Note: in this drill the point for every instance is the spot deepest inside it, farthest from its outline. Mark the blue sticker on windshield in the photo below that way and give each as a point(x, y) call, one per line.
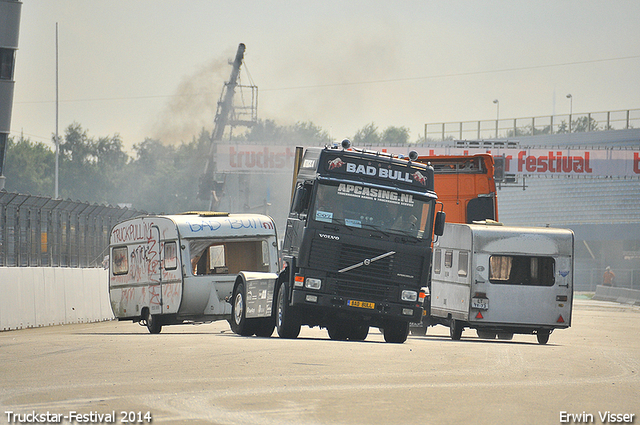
point(325, 216)
point(352, 223)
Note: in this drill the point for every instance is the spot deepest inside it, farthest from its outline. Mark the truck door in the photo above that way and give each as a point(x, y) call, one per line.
point(297, 218)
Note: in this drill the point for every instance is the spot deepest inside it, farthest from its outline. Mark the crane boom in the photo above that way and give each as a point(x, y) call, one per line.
point(208, 185)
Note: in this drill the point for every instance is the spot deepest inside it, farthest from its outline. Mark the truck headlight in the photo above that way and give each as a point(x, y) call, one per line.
point(409, 295)
point(312, 283)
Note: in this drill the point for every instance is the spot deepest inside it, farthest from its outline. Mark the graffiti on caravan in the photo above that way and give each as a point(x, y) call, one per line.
point(133, 232)
point(229, 224)
point(257, 158)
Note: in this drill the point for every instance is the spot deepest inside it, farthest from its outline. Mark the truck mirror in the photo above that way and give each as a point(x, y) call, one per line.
point(438, 228)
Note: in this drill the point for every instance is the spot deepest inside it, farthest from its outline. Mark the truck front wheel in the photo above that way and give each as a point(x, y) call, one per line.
point(396, 332)
point(287, 323)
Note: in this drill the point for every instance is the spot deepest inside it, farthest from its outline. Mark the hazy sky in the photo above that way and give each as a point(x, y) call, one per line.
point(155, 68)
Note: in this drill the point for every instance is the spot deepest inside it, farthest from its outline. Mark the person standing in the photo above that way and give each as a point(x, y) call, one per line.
point(609, 277)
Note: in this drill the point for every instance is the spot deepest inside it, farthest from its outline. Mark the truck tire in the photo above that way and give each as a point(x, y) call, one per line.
point(396, 332)
point(455, 330)
point(153, 323)
point(239, 322)
point(287, 323)
point(265, 327)
point(358, 332)
point(338, 331)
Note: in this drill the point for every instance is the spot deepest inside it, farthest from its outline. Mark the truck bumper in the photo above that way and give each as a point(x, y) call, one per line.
point(332, 303)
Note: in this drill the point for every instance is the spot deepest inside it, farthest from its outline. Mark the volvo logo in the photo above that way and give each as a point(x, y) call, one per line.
point(332, 237)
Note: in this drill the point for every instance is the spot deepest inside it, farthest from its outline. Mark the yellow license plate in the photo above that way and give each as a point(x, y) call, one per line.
point(361, 304)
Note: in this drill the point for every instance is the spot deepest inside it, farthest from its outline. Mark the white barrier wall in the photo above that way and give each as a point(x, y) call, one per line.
point(620, 295)
point(45, 296)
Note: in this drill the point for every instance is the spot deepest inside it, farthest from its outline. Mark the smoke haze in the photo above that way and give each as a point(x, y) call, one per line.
point(193, 105)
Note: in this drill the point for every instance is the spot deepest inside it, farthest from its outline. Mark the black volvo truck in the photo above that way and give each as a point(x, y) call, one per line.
point(356, 250)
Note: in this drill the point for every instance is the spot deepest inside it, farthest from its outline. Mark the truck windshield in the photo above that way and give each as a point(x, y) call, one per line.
point(360, 206)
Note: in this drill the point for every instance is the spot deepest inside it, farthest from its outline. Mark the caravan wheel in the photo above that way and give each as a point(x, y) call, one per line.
point(153, 323)
point(239, 323)
point(543, 337)
point(455, 330)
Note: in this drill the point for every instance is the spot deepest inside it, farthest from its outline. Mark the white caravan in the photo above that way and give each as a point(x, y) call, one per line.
point(502, 280)
point(173, 269)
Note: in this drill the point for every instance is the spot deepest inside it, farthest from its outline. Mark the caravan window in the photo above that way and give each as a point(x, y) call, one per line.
point(119, 261)
point(170, 256)
point(522, 270)
point(215, 257)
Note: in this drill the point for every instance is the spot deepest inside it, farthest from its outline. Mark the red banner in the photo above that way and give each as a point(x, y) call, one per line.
point(240, 158)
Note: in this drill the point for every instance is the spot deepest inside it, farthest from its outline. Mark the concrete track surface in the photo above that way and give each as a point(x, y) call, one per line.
point(208, 375)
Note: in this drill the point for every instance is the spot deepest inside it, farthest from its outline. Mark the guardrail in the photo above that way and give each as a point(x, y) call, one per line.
point(531, 126)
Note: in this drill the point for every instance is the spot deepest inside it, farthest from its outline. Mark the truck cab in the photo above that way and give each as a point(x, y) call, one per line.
point(357, 246)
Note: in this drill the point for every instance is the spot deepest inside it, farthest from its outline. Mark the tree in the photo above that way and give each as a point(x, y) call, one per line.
point(367, 136)
point(89, 168)
point(263, 131)
point(583, 124)
point(308, 133)
point(304, 133)
point(30, 168)
point(395, 135)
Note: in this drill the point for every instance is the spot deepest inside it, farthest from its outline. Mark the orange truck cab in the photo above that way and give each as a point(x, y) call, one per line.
point(466, 186)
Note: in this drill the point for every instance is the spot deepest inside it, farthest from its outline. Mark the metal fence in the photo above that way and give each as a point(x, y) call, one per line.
point(587, 279)
point(531, 126)
point(38, 231)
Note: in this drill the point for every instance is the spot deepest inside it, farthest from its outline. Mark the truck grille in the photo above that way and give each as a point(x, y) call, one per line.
point(379, 280)
point(363, 290)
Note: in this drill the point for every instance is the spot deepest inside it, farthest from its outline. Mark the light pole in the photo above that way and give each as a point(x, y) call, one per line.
point(497, 115)
point(570, 109)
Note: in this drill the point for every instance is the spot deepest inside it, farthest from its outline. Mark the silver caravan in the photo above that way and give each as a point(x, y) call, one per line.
point(173, 269)
point(502, 280)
